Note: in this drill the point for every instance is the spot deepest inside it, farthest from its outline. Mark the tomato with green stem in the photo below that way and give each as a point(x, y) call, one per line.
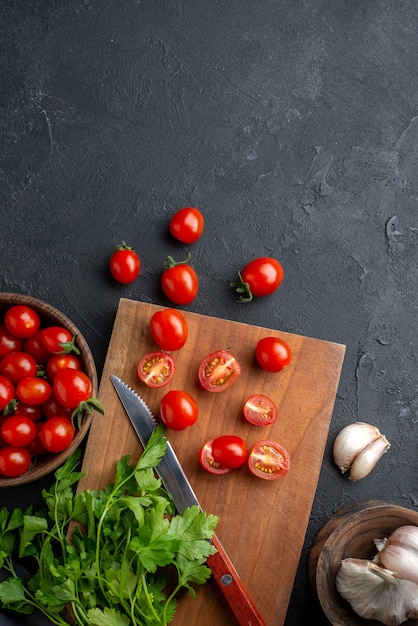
point(58, 340)
point(260, 277)
point(169, 329)
point(179, 281)
point(187, 225)
point(273, 354)
point(22, 321)
point(124, 264)
point(268, 460)
point(178, 410)
point(260, 410)
point(218, 371)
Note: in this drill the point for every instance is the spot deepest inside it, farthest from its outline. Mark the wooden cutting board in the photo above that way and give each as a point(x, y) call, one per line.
point(262, 523)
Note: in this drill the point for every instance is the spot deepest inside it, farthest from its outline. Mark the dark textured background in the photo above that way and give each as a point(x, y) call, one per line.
point(292, 125)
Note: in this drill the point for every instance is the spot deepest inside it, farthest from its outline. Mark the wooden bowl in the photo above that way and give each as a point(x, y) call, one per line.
point(350, 533)
point(50, 316)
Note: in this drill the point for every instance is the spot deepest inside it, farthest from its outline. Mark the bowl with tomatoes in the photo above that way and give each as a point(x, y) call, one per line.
point(48, 388)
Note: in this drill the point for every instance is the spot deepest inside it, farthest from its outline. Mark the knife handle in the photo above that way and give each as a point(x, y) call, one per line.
point(232, 588)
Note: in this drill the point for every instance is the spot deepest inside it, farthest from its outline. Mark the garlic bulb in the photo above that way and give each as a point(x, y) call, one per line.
point(375, 593)
point(358, 447)
point(400, 553)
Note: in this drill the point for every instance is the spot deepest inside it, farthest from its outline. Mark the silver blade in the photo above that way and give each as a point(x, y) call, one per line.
point(169, 468)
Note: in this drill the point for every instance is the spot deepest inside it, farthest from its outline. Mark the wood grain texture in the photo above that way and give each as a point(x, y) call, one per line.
point(350, 533)
point(262, 524)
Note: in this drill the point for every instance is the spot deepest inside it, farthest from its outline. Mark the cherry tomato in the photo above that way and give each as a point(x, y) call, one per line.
point(34, 346)
point(14, 461)
point(187, 225)
point(218, 371)
point(229, 451)
point(52, 408)
point(33, 411)
point(273, 354)
point(260, 410)
point(169, 329)
point(56, 434)
point(156, 369)
point(179, 281)
point(260, 277)
point(57, 340)
point(59, 362)
point(33, 390)
point(18, 365)
point(268, 460)
point(178, 410)
point(22, 321)
point(124, 264)
point(71, 387)
point(7, 392)
point(8, 342)
point(207, 461)
point(36, 447)
point(18, 430)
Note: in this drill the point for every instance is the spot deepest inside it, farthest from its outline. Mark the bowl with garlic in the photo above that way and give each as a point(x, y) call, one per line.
point(363, 565)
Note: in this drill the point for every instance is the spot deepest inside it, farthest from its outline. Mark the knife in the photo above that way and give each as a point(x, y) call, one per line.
point(177, 484)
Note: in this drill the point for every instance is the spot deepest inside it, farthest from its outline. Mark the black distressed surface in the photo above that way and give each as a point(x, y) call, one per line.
point(292, 125)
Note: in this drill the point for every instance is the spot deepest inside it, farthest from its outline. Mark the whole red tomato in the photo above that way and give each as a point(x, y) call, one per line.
point(273, 354)
point(21, 320)
point(59, 362)
point(33, 390)
point(71, 387)
point(187, 225)
point(18, 365)
point(260, 277)
point(18, 430)
point(124, 264)
point(229, 451)
point(7, 392)
point(58, 340)
point(8, 342)
point(179, 281)
point(56, 434)
point(169, 329)
point(178, 410)
point(14, 461)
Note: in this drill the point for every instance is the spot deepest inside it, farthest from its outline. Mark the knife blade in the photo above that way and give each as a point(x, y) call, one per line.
point(175, 481)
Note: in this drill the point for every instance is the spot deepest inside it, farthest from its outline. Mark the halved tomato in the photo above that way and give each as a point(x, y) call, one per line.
point(259, 410)
point(207, 461)
point(268, 460)
point(218, 371)
point(156, 369)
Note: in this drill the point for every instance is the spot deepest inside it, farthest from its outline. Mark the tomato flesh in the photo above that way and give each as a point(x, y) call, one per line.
point(208, 463)
point(268, 460)
point(169, 329)
point(156, 369)
point(178, 410)
point(218, 371)
point(273, 354)
point(260, 410)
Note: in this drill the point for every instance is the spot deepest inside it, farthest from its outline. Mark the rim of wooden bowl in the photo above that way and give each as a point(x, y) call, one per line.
point(362, 522)
point(49, 315)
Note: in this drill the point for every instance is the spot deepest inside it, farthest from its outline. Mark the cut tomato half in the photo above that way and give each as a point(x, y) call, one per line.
point(268, 460)
point(207, 461)
point(260, 410)
point(156, 369)
point(218, 371)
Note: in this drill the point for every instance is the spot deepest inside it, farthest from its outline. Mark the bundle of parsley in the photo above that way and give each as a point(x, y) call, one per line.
point(113, 572)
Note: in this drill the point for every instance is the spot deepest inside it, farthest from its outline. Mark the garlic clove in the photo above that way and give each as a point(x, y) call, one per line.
point(350, 441)
point(400, 553)
point(374, 593)
point(367, 458)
